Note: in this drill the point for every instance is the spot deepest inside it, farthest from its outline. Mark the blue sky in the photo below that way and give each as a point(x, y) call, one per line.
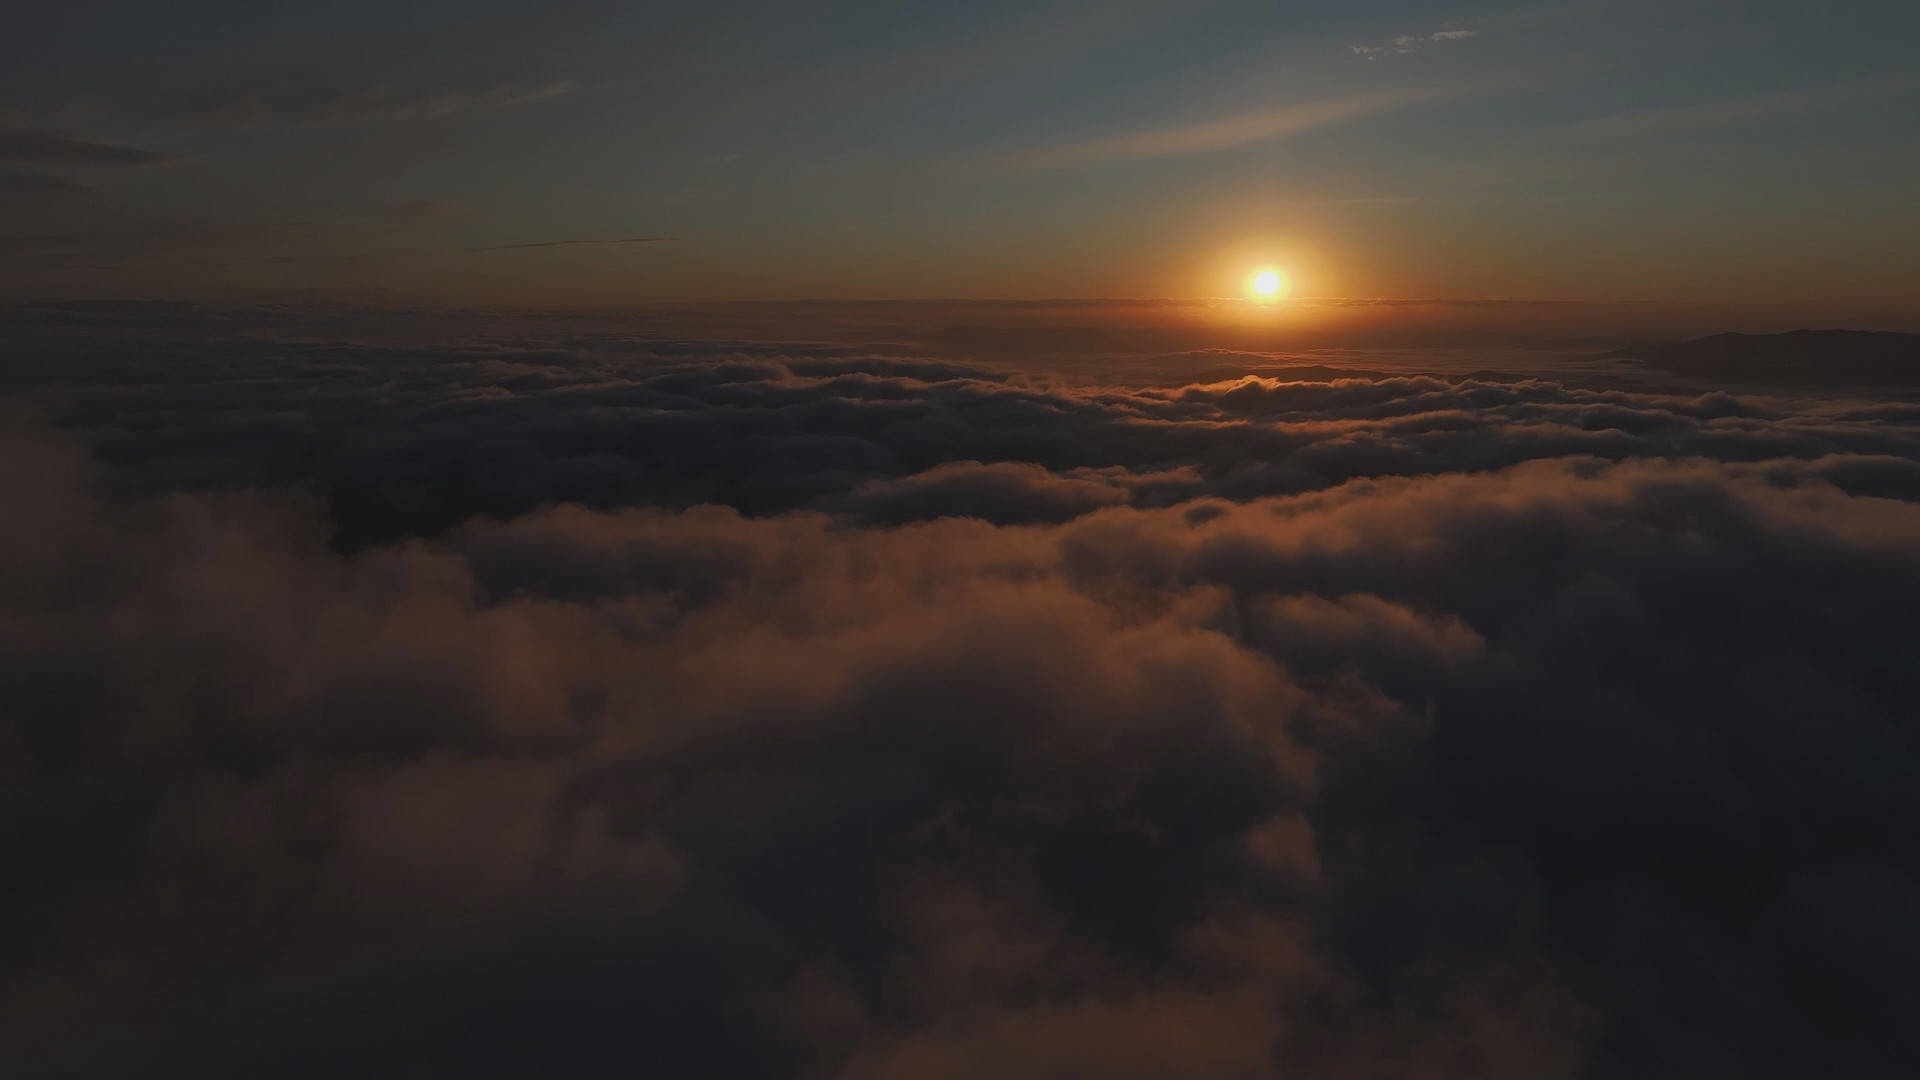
point(1752, 152)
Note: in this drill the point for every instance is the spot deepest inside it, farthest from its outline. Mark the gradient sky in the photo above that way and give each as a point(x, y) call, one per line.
point(488, 152)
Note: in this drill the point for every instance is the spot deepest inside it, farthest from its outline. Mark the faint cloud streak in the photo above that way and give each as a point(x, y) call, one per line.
point(39, 184)
point(51, 147)
point(568, 243)
point(1228, 132)
point(244, 107)
point(1411, 43)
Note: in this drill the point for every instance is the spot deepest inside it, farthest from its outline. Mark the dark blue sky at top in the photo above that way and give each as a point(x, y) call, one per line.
point(1754, 151)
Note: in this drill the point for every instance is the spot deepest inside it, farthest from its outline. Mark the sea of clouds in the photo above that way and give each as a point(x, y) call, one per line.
point(551, 702)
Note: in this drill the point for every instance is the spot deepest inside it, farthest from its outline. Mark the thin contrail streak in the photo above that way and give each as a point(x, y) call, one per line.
point(568, 243)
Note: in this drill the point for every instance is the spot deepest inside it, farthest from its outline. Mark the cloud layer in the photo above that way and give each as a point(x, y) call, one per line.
point(532, 704)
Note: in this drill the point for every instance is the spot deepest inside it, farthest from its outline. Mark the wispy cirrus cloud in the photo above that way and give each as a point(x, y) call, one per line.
point(1713, 114)
point(330, 263)
point(1228, 132)
point(407, 232)
point(1411, 43)
point(278, 241)
point(39, 184)
point(55, 148)
point(258, 106)
point(568, 243)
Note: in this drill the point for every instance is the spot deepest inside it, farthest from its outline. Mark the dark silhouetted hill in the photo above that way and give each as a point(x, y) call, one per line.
point(1800, 356)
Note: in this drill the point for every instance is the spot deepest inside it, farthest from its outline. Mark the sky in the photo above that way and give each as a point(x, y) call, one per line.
point(1757, 156)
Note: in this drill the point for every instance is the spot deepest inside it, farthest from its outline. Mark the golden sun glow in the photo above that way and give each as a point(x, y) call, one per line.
point(1267, 285)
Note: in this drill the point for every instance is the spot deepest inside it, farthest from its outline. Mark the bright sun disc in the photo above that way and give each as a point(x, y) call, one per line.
point(1268, 284)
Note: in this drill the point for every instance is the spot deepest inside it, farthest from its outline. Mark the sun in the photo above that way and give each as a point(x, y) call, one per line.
point(1267, 284)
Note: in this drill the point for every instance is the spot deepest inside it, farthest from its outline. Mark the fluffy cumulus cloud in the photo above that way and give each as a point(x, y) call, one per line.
point(554, 702)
